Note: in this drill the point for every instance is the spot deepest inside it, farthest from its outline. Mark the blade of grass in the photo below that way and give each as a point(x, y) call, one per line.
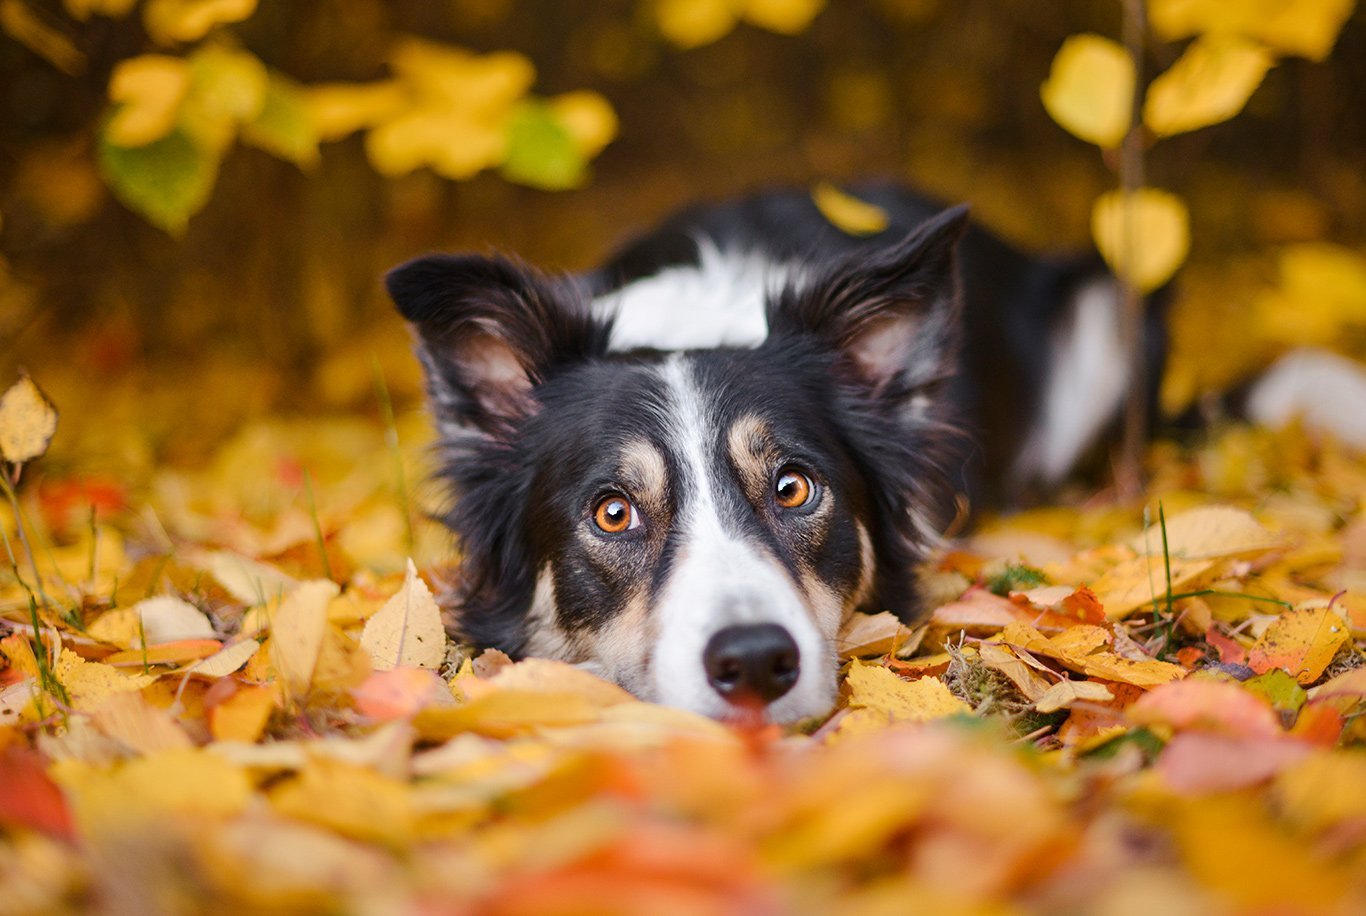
point(317, 525)
point(386, 410)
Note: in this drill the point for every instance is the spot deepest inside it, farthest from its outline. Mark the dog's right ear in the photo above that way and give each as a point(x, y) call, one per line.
point(490, 330)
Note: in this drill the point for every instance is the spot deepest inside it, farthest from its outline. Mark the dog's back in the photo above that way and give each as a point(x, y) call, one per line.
point(1041, 368)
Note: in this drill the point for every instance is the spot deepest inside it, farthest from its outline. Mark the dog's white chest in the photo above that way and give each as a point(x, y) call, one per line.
point(718, 302)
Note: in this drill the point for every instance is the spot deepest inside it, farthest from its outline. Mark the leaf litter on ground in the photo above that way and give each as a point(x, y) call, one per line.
point(233, 692)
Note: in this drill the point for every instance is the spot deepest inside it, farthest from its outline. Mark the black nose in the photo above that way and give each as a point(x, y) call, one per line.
point(753, 661)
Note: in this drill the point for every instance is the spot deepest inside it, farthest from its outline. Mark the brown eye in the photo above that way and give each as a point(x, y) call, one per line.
point(793, 489)
point(615, 514)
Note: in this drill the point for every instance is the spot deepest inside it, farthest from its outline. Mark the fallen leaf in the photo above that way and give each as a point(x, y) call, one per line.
point(169, 619)
point(866, 635)
point(28, 796)
point(296, 636)
point(1207, 705)
point(407, 631)
point(877, 698)
point(351, 800)
point(242, 716)
point(1064, 693)
point(226, 660)
point(999, 658)
point(1198, 762)
point(396, 693)
point(28, 422)
point(130, 719)
point(1207, 533)
point(169, 653)
point(1302, 642)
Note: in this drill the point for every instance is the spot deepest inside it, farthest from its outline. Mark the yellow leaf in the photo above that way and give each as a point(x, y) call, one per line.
point(1137, 582)
point(407, 631)
point(1323, 791)
point(242, 716)
point(504, 713)
point(174, 21)
point(1208, 533)
point(227, 89)
point(878, 689)
point(693, 23)
point(129, 718)
point(848, 213)
point(27, 422)
point(1209, 83)
point(30, 28)
point(588, 117)
point(543, 675)
point(1144, 237)
point(1307, 28)
point(786, 17)
point(1000, 658)
point(1064, 693)
point(1302, 642)
point(81, 9)
point(1320, 296)
point(1080, 649)
point(149, 91)
point(340, 109)
point(1233, 847)
point(88, 683)
point(456, 147)
point(351, 800)
point(296, 633)
point(181, 781)
point(454, 81)
point(1090, 89)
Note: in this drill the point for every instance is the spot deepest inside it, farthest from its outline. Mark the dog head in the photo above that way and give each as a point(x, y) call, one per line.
point(696, 525)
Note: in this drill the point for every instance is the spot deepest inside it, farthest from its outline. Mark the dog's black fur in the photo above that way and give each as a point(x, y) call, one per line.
point(899, 385)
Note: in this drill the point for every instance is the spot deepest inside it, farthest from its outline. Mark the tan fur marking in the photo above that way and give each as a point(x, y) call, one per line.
point(644, 471)
point(753, 455)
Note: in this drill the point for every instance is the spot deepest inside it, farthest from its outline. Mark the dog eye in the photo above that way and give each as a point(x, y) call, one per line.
point(793, 489)
point(615, 514)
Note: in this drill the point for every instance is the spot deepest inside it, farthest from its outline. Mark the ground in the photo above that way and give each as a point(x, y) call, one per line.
point(223, 686)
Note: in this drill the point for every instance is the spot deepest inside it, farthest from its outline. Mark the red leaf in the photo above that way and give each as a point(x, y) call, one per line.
point(28, 798)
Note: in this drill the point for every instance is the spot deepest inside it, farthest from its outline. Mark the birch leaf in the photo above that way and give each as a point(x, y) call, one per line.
point(407, 631)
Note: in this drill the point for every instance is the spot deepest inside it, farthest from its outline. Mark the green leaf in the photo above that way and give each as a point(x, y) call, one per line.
point(1279, 688)
point(284, 127)
point(541, 151)
point(167, 181)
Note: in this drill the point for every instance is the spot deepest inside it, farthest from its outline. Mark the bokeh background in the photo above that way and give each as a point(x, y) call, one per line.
point(269, 296)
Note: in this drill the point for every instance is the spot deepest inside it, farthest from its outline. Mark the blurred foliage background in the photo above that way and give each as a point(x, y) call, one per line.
point(268, 298)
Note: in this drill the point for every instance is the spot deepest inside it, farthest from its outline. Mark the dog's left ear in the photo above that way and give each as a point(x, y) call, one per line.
point(489, 331)
point(892, 315)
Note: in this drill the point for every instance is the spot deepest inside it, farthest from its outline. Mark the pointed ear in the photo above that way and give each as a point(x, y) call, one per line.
point(489, 331)
point(892, 315)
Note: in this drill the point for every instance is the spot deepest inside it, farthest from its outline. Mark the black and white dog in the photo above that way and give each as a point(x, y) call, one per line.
point(687, 469)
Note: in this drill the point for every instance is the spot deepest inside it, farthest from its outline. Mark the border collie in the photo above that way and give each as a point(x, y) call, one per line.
point(686, 469)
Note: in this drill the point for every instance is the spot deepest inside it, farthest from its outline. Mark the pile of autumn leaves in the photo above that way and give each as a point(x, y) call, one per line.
point(1100, 715)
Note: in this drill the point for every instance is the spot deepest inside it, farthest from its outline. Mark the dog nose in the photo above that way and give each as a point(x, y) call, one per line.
point(752, 661)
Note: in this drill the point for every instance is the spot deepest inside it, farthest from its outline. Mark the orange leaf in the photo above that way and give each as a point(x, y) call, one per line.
point(1302, 642)
point(167, 653)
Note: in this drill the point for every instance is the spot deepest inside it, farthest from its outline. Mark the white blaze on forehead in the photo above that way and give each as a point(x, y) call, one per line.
point(721, 301)
point(719, 579)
